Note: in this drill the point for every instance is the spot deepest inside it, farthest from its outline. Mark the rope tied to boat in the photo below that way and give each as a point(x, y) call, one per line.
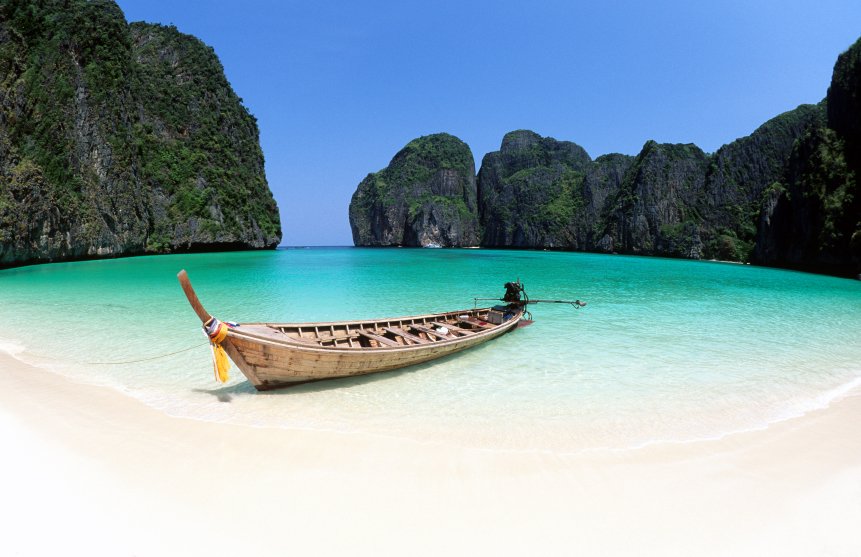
point(120, 362)
point(217, 332)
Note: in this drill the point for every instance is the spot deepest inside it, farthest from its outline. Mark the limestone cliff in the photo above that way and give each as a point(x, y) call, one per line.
point(741, 175)
point(655, 209)
point(531, 190)
point(812, 217)
point(678, 201)
point(785, 195)
point(537, 192)
point(120, 139)
point(425, 196)
point(670, 200)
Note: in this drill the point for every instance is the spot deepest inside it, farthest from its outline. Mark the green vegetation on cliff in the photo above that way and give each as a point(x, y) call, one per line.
point(785, 195)
point(198, 142)
point(118, 138)
point(531, 191)
point(739, 178)
point(422, 157)
point(813, 219)
point(671, 199)
point(426, 195)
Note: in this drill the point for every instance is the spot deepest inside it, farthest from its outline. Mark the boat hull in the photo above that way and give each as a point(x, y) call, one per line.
point(270, 364)
point(275, 355)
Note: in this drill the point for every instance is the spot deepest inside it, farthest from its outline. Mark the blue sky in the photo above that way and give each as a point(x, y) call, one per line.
point(339, 88)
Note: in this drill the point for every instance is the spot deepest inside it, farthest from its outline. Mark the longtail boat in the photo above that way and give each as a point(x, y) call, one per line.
point(275, 355)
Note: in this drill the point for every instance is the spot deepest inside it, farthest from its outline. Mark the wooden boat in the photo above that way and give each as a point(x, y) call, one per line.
point(275, 355)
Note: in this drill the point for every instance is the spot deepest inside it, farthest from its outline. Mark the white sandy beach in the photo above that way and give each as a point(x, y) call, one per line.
point(89, 471)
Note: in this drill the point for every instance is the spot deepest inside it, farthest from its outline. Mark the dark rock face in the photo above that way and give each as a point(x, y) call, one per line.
point(120, 139)
point(530, 190)
point(425, 196)
point(655, 209)
point(540, 192)
point(600, 187)
point(202, 145)
point(739, 177)
point(812, 218)
point(844, 96)
point(537, 192)
point(670, 200)
point(786, 195)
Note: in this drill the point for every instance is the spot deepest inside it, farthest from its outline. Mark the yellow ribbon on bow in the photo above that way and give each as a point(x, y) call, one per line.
point(217, 332)
point(220, 363)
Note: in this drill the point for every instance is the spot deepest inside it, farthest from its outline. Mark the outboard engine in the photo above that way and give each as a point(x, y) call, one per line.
point(513, 292)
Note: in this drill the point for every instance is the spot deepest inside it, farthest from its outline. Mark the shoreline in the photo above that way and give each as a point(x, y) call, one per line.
point(822, 401)
point(808, 268)
point(229, 247)
point(109, 472)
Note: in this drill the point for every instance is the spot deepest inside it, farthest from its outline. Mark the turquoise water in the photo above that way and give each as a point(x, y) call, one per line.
point(666, 350)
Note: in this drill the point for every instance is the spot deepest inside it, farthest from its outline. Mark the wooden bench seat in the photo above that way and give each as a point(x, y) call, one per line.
point(383, 341)
point(428, 331)
point(455, 328)
point(407, 336)
point(477, 323)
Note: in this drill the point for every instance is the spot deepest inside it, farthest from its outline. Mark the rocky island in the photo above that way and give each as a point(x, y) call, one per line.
point(120, 139)
point(426, 196)
point(786, 195)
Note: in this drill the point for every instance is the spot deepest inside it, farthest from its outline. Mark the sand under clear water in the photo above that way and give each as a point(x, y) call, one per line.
point(665, 351)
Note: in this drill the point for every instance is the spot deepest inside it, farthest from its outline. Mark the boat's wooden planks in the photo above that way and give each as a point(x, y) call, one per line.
point(273, 355)
point(263, 331)
point(380, 323)
point(429, 331)
point(280, 364)
point(434, 338)
point(238, 357)
point(277, 355)
point(454, 328)
point(274, 366)
point(477, 323)
point(383, 341)
point(408, 336)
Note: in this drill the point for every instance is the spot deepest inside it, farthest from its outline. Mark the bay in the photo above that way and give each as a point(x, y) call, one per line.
point(665, 351)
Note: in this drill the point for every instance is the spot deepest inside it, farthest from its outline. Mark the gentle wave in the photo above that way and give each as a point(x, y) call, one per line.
point(11, 347)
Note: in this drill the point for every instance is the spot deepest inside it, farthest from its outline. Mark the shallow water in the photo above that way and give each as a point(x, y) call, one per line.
point(666, 350)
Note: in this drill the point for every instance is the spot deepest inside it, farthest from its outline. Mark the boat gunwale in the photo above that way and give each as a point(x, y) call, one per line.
point(376, 320)
point(293, 344)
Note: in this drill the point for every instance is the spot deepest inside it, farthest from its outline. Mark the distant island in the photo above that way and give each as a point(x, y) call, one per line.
point(787, 195)
point(121, 139)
